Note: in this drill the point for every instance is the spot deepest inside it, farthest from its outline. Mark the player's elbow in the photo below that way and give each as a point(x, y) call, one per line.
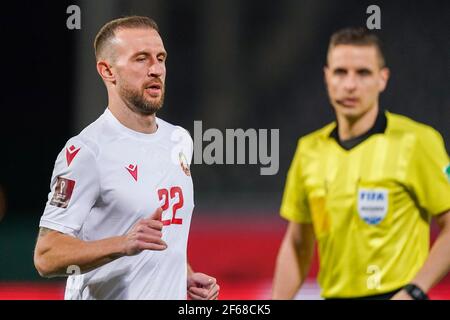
point(42, 266)
point(43, 263)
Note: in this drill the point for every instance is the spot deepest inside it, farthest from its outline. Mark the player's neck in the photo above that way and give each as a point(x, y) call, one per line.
point(351, 128)
point(133, 120)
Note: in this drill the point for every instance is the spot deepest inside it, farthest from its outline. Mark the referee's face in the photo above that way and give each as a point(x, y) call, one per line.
point(354, 79)
point(140, 69)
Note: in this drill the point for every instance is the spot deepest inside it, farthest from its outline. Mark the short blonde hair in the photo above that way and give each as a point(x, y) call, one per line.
point(108, 31)
point(357, 37)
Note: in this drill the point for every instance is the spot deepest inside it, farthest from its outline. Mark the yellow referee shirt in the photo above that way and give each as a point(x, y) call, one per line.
point(371, 205)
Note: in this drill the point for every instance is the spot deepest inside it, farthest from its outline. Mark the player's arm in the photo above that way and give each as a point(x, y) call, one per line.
point(294, 260)
point(437, 264)
point(55, 252)
point(190, 271)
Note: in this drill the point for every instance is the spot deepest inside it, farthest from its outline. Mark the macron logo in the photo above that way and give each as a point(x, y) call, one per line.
point(71, 152)
point(133, 170)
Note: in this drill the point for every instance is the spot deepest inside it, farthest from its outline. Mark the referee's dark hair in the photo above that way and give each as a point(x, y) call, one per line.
point(357, 37)
point(107, 32)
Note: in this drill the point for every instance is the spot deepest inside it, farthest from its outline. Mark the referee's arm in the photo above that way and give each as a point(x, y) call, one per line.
point(437, 264)
point(294, 260)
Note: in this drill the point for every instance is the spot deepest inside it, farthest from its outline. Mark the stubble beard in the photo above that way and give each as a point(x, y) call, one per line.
point(137, 102)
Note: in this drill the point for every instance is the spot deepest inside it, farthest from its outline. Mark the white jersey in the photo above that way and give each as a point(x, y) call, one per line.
point(105, 180)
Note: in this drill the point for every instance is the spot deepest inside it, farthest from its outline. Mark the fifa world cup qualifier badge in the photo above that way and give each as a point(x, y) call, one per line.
point(63, 192)
point(184, 164)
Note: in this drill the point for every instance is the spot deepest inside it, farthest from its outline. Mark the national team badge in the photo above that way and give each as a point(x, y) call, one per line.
point(71, 152)
point(447, 172)
point(133, 170)
point(184, 164)
point(373, 205)
point(63, 192)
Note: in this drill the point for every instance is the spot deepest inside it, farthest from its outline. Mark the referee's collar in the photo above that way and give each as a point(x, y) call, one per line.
point(379, 126)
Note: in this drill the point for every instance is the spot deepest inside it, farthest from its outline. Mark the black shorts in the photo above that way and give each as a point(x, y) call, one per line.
point(382, 296)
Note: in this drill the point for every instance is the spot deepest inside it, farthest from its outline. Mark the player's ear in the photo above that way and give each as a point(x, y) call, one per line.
point(105, 71)
point(384, 77)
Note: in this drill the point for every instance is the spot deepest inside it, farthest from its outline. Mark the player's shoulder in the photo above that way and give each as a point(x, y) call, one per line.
point(403, 125)
point(311, 139)
point(90, 137)
point(172, 129)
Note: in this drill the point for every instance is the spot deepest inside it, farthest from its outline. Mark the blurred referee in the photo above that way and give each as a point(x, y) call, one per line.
point(365, 187)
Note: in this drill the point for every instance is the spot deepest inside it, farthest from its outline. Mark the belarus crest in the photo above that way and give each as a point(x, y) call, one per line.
point(184, 163)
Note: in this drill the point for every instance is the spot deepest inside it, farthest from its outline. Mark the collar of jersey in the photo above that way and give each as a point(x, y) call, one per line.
point(379, 127)
point(130, 132)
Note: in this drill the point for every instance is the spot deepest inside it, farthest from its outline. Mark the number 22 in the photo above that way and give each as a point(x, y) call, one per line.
point(163, 194)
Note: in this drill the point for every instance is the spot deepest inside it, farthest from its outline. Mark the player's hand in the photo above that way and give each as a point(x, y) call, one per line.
point(402, 295)
point(202, 287)
point(145, 235)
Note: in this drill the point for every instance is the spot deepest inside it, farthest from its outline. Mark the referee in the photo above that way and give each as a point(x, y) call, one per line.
point(365, 188)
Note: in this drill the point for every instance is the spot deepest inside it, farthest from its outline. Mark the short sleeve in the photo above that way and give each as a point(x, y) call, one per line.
point(74, 189)
point(294, 206)
point(427, 174)
point(184, 145)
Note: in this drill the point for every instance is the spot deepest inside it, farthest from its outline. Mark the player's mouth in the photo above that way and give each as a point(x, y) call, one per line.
point(154, 89)
point(348, 102)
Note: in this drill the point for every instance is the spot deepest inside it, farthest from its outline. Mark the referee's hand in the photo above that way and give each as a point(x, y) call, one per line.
point(145, 235)
point(401, 295)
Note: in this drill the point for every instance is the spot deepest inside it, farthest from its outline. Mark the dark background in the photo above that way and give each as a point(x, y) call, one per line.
point(231, 64)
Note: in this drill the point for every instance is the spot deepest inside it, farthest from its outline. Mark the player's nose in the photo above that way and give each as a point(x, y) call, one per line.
point(350, 82)
point(156, 70)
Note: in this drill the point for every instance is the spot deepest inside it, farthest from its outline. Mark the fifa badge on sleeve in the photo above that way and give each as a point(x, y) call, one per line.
point(63, 192)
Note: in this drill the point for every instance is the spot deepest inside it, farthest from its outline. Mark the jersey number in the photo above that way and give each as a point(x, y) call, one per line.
point(164, 196)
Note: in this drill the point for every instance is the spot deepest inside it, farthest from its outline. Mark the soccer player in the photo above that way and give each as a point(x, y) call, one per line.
point(119, 210)
point(364, 188)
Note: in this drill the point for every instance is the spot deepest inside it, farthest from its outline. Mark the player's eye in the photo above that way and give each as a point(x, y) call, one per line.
point(141, 58)
point(364, 72)
point(340, 72)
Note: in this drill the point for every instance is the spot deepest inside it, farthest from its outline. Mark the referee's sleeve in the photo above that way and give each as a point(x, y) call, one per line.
point(428, 173)
point(74, 189)
point(294, 206)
